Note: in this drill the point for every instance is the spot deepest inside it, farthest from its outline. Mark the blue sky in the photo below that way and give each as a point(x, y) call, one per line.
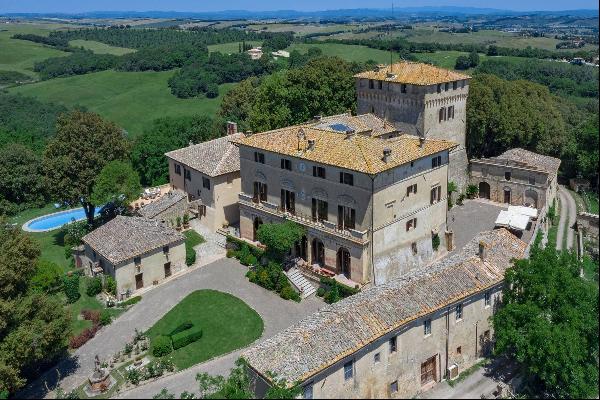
point(258, 5)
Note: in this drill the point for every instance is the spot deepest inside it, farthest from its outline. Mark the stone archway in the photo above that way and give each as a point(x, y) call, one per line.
point(318, 252)
point(484, 190)
point(531, 198)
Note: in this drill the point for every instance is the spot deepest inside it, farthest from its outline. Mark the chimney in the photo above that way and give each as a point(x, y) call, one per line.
point(387, 153)
point(231, 128)
point(248, 133)
point(317, 117)
point(350, 133)
point(349, 112)
point(421, 141)
point(482, 251)
point(311, 144)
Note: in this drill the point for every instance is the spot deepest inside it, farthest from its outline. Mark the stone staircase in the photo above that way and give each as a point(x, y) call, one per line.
point(300, 282)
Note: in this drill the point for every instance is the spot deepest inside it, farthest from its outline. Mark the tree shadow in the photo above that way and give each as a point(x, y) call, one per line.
point(48, 377)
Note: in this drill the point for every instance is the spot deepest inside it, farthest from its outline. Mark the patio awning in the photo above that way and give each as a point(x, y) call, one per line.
point(529, 211)
point(512, 220)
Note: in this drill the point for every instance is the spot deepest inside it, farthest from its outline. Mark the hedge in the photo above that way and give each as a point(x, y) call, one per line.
point(345, 290)
point(131, 301)
point(71, 287)
point(236, 244)
point(186, 337)
point(161, 346)
point(182, 327)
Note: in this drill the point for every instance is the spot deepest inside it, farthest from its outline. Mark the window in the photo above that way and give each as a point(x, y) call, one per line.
point(451, 112)
point(260, 192)
point(427, 327)
point(229, 179)
point(346, 217)
point(403, 88)
point(178, 169)
point(459, 312)
point(455, 85)
point(371, 84)
point(411, 189)
point(286, 164)
point(393, 344)
point(439, 88)
point(346, 178)
point(507, 175)
point(436, 194)
point(307, 391)
point(376, 358)
point(436, 161)
point(187, 174)
point(411, 224)
point(319, 172)
point(380, 84)
point(447, 86)
point(319, 210)
point(259, 157)
point(442, 114)
point(532, 180)
point(487, 299)
point(348, 370)
point(459, 350)
point(137, 260)
point(394, 387)
point(166, 249)
point(206, 183)
point(414, 248)
point(288, 201)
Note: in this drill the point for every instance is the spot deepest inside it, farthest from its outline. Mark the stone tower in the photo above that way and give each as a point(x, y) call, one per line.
point(422, 100)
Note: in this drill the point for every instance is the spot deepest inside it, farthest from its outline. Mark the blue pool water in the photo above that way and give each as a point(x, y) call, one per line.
point(55, 220)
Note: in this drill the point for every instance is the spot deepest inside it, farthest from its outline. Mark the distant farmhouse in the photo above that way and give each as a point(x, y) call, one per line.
point(398, 339)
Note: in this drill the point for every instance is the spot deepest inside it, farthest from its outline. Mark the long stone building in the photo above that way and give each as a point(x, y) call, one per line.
point(373, 208)
point(422, 100)
point(399, 339)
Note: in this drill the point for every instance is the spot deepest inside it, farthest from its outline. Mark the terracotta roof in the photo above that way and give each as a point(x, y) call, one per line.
point(534, 160)
point(364, 124)
point(341, 329)
point(213, 158)
point(124, 238)
point(413, 73)
point(164, 203)
point(357, 152)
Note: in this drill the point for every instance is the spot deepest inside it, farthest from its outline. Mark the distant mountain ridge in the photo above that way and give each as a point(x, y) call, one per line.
point(295, 14)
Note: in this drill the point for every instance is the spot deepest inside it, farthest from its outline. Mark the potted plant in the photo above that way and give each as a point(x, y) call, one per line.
point(178, 226)
point(186, 220)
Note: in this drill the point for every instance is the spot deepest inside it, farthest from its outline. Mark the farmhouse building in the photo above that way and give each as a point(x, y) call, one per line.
point(398, 339)
point(167, 208)
point(517, 177)
point(137, 252)
point(209, 173)
point(423, 100)
point(373, 208)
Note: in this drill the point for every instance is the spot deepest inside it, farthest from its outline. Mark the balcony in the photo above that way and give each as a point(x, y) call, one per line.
point(359, 237)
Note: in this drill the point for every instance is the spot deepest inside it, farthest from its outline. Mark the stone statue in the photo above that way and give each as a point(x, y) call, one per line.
point(96, 363)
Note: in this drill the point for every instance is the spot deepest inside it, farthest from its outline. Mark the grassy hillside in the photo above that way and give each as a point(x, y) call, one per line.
point(345, 51)
point(447, 59)
point(100, 48)
point(231, 47)
point(131, 99)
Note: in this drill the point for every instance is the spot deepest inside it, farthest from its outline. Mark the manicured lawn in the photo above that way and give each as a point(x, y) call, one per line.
point(100, 48)
point(346, 51)
point(231, 47)
point(130, 99)
point(227, 323)
point(192, 238)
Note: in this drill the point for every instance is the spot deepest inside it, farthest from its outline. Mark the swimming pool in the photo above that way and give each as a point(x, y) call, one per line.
point(56, 220)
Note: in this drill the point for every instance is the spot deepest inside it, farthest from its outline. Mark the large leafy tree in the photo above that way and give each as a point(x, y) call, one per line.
point(33, 326)
point(83, 145)
point(117, 182)
point(280, 237)
point(549, 323)
point(21, 179)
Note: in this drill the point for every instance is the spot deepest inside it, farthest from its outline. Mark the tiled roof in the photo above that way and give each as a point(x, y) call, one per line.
point(164, 203)
point(534, 160)
point(356, 152)
point(413, 73)
point(341, 329)
point(364, 124)
point(213, 158)
point(126, 237)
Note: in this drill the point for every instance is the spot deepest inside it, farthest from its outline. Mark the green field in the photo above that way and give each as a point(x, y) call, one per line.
point(20, 55)
point(227, 324)
point(231, 47)
point(100, 48)
point(447, 59)
point(345, 51)
point(130, 99)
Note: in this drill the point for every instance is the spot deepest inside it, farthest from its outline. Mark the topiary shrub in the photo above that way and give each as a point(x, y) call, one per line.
point(94, 287)
point(321, 292)
point(288, 293)
point(182, 327)
point(161, 346)
point(71, 287)
point(190, 257)
point(186, 337)
point(333, 295)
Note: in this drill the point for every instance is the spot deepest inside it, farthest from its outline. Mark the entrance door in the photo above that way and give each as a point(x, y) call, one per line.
point(167, 270)
point(428, 371)
point(507, 196)
point(343, 262)
point(484, 190)
point(257, 222)
point(302, 248)
point(139, 281)
point(318, 252)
